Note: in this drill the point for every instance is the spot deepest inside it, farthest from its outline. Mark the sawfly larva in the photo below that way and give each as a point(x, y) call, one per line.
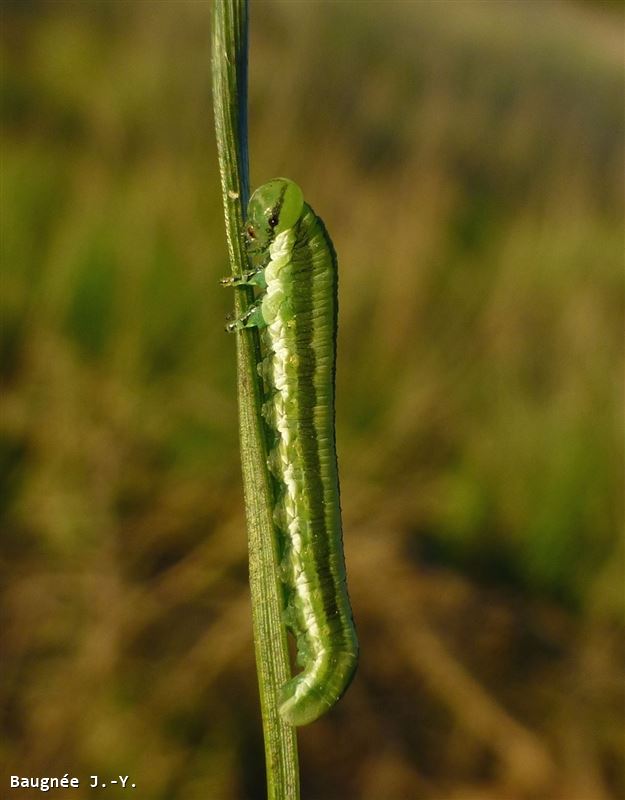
point(294, 266)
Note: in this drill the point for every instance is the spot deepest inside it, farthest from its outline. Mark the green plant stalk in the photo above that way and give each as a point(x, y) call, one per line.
point(229, 65)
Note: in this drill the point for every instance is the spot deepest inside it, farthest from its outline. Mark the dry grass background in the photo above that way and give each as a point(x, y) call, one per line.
point(467, 158)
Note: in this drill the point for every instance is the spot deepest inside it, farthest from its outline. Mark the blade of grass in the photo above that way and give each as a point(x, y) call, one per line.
point(230, 22)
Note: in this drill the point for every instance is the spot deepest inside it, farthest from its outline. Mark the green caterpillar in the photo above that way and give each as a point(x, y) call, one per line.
point(294, 265)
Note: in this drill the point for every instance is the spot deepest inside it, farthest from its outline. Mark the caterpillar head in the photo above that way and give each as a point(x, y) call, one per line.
point(273, 208)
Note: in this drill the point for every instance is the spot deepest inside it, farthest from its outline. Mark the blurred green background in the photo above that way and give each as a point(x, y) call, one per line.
point(467, 158)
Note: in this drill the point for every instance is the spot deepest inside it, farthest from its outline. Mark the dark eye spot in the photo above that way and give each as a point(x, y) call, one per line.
point(273, 221)
point(250, 232)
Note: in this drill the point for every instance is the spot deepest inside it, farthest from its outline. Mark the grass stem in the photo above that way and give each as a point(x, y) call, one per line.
point(230, 47)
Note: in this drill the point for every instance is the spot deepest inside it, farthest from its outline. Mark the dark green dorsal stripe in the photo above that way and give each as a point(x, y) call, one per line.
point(309, 343)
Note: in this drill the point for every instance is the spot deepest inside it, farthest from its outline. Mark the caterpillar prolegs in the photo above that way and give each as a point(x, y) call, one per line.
point(294, 265)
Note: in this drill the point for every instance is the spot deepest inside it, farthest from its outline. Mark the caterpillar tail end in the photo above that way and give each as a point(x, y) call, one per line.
point(313, 692)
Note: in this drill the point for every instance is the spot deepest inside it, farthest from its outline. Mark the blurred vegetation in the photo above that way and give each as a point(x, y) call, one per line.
point(468, 159)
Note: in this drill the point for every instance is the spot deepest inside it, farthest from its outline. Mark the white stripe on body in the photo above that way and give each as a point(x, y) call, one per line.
point(280, 255)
